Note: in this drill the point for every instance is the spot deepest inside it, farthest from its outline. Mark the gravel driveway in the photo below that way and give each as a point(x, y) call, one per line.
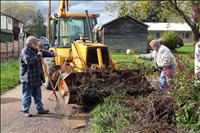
point(64, 120)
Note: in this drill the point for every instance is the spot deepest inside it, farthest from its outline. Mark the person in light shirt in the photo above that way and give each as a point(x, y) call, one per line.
point(164, 61)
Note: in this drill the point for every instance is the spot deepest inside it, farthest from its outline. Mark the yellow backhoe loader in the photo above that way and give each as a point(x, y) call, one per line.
point(74, 42)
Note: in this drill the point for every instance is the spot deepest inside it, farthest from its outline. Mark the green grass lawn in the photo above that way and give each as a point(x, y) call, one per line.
point(9, 75)
point(126, 61)
point(123, 57)
point(186, 50)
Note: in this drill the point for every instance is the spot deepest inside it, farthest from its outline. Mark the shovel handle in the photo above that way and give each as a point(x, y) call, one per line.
point(46, 72)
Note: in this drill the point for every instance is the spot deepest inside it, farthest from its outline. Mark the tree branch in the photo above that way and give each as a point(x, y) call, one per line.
point(180, 12)
point(175, 2)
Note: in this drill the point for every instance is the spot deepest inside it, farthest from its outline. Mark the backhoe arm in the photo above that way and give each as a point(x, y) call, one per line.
point(63, 7)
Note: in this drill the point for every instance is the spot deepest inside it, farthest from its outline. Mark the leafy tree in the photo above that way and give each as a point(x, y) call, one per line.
point(22, 11)
point(38, 28)
point(159, 11)
point(193, 13)
point(145, 11)
point(170, 40)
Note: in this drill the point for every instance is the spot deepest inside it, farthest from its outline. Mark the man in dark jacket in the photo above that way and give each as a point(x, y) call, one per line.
point(32, 76)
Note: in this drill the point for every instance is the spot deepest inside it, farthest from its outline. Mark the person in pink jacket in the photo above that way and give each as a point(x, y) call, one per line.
point(197, 59)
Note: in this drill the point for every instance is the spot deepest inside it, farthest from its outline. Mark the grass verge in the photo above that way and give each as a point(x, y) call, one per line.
point(111, 116)
point(9, 75)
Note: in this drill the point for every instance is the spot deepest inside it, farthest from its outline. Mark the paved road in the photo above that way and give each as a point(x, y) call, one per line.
point(63, 120)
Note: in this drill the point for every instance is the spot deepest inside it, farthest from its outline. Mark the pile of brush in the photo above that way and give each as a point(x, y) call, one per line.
point(150, 114)
point(89, 89)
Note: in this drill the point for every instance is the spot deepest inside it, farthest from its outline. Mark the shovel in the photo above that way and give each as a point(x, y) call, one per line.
point(51, 83)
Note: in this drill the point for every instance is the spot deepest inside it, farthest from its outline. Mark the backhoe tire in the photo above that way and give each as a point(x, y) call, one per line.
point(51, 67)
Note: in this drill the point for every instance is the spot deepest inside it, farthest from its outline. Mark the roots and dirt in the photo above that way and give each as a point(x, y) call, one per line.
point(89, 89)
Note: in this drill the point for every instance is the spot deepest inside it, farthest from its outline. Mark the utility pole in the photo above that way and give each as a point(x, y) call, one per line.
point(67, 3)
point(48, 20)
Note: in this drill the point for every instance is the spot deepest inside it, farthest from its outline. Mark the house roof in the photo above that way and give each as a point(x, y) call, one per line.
point(4, 14)
point(110, 22)
point(168, 27)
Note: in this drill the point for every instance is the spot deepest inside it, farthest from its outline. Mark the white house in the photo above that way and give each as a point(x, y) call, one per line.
point(183, 29)
point(11, 28)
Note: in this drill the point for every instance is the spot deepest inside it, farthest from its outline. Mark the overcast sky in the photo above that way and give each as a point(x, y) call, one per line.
point(80, 7)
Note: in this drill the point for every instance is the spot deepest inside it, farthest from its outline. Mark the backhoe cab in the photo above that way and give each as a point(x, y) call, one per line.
point(70, 27)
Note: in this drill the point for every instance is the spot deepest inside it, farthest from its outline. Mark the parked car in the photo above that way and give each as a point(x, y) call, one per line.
point(179, 43)
point(45, 42)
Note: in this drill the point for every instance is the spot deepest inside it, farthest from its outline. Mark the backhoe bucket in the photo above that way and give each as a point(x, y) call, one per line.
point(65, 84)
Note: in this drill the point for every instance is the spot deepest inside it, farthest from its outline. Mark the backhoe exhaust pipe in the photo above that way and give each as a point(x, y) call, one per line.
point(89, 25)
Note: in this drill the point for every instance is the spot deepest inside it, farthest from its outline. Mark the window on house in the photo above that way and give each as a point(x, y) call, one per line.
point(8, 20)
point(187, 35)
point(158, 35)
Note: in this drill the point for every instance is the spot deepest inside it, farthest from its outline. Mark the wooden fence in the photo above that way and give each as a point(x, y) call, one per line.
point(11, 50)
